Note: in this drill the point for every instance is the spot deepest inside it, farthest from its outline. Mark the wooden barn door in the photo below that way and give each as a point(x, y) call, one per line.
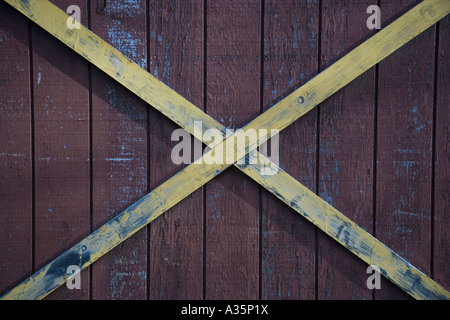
point(77, 148)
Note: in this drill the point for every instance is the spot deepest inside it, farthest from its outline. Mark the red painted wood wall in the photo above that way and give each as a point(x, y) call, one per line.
point(76, 149)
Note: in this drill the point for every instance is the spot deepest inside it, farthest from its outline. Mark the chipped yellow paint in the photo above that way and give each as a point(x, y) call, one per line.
point(112, 62)
point(281, 115)
point(125, 218)
point(348, 233)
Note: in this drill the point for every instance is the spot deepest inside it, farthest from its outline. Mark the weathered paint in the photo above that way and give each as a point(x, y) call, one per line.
point(119, 151)
point(61, 215)
point(231, 222)
point(288, 243)
point(441, 253)
point(15, 149)
point(346, 140)
point(404, 151)
point(351, 236)
point(176, 50)
point(277, 117)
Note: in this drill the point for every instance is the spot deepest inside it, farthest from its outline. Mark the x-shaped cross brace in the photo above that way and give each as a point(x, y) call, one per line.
point(282, 185)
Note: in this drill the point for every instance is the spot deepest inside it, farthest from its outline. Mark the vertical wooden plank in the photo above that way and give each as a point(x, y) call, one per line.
point(441, 250)
point(232, 200)
point(290, 59)
point(119, 150)
point(15, 149)
point(176, 58)
point(404, 150)
point(61, 114)
point(346, 150)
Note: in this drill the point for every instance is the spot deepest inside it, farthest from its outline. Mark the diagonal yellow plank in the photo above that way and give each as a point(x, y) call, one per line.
point(185, 174)
point(349, 234)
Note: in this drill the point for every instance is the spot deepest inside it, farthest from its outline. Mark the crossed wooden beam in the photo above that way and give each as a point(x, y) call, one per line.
point(192, 177)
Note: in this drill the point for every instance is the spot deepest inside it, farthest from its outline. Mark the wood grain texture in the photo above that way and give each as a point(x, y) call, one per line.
point(441, 249)
point(119, 150)
point(404, 150)
point(15, 149)
point(346, 151)
point(232, 200)
point(61, 123)
point(176, 58)
point(290, 59)
point(127, 224)
point(350, 235)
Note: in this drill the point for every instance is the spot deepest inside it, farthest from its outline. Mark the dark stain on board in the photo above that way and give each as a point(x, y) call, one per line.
point(60, 265)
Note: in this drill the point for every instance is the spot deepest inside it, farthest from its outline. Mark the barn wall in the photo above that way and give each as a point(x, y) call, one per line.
point(76, 149)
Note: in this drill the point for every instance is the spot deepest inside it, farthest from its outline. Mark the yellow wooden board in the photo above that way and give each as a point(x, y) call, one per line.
point(280, 116)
